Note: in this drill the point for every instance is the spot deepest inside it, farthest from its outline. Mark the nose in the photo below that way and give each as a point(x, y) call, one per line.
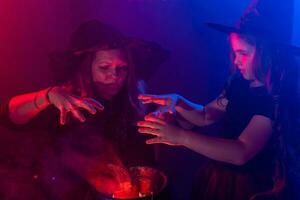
point(237, 61)
point(113, 74)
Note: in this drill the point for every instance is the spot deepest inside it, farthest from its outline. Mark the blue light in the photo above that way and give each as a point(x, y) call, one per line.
point(296, 34)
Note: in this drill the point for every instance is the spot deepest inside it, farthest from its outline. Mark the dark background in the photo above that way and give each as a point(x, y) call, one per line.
point(197, 68)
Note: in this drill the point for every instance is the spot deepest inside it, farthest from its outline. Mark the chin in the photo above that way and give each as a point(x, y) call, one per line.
point(110, 93)
point(113, 94)
point(245, 76)
point(107, 94)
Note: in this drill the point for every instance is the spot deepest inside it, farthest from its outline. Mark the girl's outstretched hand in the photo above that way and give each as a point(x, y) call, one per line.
point(168, 100)
point(165, 133)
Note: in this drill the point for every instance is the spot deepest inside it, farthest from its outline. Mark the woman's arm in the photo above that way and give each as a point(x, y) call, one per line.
point(251, 141)
point(25, 107)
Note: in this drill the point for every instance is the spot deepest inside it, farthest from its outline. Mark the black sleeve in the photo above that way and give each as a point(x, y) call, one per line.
point(46, 120)
point(236, 85)
point(137, 152)
point(265, 106)
point(4, 116)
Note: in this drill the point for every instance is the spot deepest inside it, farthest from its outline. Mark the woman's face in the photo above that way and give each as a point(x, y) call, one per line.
point(244, 54)
point(109, 72)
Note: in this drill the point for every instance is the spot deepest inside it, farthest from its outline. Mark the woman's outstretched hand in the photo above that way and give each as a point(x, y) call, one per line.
point(165, 132)
point(68, 103)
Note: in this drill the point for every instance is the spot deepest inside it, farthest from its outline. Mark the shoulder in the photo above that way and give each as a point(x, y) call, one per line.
point(236, 85)
point(263, 103)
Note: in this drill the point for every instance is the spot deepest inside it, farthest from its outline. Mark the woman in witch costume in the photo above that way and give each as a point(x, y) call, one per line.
point(96, 73)
point(245, 158)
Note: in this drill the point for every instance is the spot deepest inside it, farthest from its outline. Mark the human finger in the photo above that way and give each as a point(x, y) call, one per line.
point(150, 118)
point(146, 124)
point(95, 103)
point(63, 116)
point(153, 99)
point(156, 140)
point(149, 131)
point(77, 114)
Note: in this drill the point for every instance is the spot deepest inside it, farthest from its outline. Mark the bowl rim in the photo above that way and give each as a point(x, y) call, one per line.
point(160, 172)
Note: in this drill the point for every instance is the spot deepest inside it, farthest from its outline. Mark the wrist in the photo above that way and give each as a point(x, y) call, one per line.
point(47, 95)
point(41, 99)
point(188, 138)
point(182, 139)
point(181, 102)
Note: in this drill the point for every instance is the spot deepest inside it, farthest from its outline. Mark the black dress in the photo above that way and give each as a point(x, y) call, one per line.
point(105, 137)
point(222, 181)
point(18, 156)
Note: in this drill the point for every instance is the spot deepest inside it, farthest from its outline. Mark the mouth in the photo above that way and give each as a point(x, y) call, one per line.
point(109, 85)
point(113, 85)
point(242, 70)
point(109, 88)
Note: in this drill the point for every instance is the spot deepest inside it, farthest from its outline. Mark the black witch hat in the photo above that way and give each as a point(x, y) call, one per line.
point(257, 22)
point(94, 35)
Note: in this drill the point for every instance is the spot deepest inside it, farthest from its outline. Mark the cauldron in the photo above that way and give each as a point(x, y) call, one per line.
point(147, 184)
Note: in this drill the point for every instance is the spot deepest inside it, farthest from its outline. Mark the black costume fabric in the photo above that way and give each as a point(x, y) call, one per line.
point(4, 118)
point(19, 153)
point(59, 170)
point(222, 181)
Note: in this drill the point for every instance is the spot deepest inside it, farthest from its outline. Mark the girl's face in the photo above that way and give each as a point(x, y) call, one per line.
point(244, 54)
point(109, 72)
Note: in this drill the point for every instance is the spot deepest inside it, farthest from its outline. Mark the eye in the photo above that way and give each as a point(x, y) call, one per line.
point(103, 67)
point(243, 53)
point(123, 68)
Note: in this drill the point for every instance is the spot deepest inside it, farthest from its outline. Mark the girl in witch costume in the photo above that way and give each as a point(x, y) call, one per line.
point(246, 157)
